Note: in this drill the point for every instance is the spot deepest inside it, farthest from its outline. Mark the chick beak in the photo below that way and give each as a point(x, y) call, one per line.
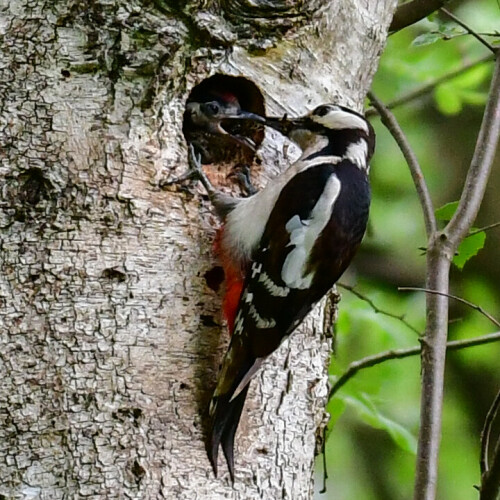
point(245, 115)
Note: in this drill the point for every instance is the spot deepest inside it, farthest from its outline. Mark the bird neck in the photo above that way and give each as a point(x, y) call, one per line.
point(353, 144)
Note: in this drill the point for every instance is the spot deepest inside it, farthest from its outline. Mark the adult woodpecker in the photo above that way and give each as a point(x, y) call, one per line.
point(291, 242)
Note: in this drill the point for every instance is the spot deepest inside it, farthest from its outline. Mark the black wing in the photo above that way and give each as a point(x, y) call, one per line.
point(271, 306)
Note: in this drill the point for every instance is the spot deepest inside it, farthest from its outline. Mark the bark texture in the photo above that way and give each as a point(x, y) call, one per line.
point(110, 327)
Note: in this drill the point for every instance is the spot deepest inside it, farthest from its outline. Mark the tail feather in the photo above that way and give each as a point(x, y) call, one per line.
point(226, 418)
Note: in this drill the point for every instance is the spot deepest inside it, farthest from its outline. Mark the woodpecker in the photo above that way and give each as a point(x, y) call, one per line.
point(290, 242)
point(205, 128)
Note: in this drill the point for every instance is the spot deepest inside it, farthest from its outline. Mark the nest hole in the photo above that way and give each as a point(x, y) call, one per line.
point(217, 147)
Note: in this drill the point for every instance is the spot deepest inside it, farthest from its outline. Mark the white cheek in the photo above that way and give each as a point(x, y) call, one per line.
point(341, 119)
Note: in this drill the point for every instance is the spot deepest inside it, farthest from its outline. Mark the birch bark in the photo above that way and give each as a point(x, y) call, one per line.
point(110, 334)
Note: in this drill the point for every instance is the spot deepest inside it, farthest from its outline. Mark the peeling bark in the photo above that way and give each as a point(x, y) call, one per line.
point(110, 333)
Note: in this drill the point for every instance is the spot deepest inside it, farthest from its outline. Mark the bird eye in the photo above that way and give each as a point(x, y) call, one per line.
point(212, 108)
point(322, 110)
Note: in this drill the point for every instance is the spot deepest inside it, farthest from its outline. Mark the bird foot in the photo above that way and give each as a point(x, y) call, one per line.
point(242, 174)
point(194, 173)
point(222, 203)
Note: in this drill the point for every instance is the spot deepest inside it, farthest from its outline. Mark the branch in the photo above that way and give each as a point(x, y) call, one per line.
point(485, 228)
point(389, 120)
point(377, 310)
point(441, 248)
point(455, 297)
point(486, 433)
point(490, 487)
point(429, 87)
point(469, 30)
point(490, 477)
point(377, 359)
point(480, 168)
point(412, 12)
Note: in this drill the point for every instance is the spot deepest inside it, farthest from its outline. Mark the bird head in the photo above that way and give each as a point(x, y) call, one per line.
point(326, 121)
point(210, 114)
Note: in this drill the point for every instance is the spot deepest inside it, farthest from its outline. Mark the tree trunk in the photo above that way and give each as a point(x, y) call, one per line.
point(111, 331)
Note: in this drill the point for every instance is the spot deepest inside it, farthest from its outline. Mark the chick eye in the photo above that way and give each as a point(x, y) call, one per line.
point(211, 108)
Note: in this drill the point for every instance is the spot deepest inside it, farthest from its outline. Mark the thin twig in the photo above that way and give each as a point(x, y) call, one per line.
point(486, 433)
point(490, 485)
point(485, 228)
point(449, 36)
point(454, 297)
point(379, 358)
point(325, 467)
point(412, 12)
point(472, 233)
point(389, 120)
point(429, 87)
point(490, 480)
point(476, 35)
point(378, 310)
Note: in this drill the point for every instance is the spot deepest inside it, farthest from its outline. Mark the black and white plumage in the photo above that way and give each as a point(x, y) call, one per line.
point(294, 239)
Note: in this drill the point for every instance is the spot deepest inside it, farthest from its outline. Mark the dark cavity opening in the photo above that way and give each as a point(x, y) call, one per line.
point(236, 92)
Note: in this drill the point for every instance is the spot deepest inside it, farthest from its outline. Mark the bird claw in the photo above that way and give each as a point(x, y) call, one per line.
point(222, 203)
point(188, 176)
point(195, 172)
point(242, 174)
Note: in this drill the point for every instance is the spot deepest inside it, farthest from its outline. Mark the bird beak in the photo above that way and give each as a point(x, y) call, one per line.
point(246, 115)
point(284, 125)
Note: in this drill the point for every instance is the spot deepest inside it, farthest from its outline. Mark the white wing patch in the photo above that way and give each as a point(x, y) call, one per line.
point(274, 289)
point(304, 233)
point(242, 233)
point(260, 322)
point(256, 269)
point(357, 153)
point(238, 324)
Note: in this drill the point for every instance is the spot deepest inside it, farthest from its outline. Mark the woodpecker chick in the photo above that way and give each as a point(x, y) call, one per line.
point(205, 128)
point(208, 140)
point(289, 243)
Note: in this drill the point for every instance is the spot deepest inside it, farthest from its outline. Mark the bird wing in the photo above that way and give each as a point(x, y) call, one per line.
point(313, 216)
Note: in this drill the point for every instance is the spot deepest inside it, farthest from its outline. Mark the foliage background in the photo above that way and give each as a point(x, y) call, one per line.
point(371, 448)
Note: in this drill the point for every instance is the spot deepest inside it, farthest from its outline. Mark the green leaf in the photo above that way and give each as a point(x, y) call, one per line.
point(446, 211)
point(445, 31)
point(473, 77)
point(442, 25)
point(468, 248)
point(433, 17)
point(371, 416)
point(450, 31)
point(474, 97)
point(448, 100)
point(426, 39)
